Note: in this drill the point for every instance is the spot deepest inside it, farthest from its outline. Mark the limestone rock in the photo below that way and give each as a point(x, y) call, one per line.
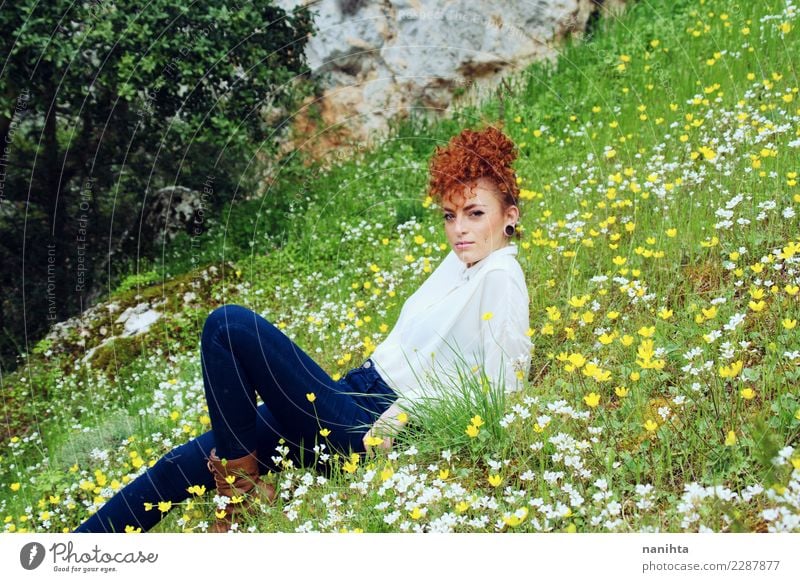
point(381, 59)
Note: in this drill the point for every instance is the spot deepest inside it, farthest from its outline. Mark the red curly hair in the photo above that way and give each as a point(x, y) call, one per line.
point(470, 155)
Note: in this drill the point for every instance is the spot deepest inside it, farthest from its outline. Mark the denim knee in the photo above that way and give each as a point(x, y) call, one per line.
point(220, 317)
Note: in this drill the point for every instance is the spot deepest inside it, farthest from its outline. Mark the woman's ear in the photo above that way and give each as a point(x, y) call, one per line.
point(513, 214)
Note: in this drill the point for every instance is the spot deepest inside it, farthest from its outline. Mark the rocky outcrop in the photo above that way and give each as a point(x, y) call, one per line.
point(379, 59)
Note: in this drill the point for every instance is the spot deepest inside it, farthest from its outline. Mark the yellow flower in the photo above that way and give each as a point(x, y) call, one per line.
point(444, 474)
point(650, 426)
point(731, 371)
point(472, 431)
point(495, 480)
point(626, 340)
point(797, 414)
point(757, 305)
point(592, 399)
point(387, 472)
point(462, 506)
point(131, 529)
point(415, 513)
point(612, 315)
point(373, 441)
point(15, 486)
point(710, 312)
point(672, 232)
point(621, 391)
point(487, 316)
point(553, 313)
point(477, 420)
point(311, 397)
point(665, 314)
point(516, 518)
point(197, 489)
point(402, 418)
point(730, 439)
point(164, 506)
point(577, 360)
point(325, 432)
point(578, 302)
point(100, 478)
point(747, 393)
point(647, 331)
point(606, 338)
point(634, 376)
point(789, 323)
point(350, 467)
point(707, 152)
point(792, 289)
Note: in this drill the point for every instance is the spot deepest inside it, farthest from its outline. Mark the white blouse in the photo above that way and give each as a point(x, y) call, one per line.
point(458, 319)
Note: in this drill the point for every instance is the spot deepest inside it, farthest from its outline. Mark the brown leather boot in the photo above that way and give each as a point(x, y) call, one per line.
point(239, 480)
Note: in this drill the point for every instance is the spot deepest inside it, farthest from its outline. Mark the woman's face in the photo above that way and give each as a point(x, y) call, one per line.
point(477, 221)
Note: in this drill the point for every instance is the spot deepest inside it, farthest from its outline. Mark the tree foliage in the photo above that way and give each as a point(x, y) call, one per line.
point(102, 103)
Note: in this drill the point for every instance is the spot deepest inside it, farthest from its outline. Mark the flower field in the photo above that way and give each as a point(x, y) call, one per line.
point(659, 164)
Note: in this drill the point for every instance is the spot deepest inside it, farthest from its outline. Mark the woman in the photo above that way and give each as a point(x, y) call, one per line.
point(473, 307)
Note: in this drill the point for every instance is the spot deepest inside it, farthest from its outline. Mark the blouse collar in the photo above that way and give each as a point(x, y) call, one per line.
point(465, 274)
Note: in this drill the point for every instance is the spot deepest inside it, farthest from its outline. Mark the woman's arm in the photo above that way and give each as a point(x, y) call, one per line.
point(503, 327)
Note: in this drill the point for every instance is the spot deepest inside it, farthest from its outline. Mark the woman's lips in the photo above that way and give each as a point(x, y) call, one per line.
point(462, 245)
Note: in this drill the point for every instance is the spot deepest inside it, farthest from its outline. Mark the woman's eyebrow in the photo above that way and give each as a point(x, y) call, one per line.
point(473, 205)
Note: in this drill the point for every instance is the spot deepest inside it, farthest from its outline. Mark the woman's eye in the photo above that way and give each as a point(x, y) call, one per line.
point(477, 213)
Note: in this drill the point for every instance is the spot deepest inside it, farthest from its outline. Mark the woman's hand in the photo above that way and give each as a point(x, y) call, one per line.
point(372, 441)
point(381, 434)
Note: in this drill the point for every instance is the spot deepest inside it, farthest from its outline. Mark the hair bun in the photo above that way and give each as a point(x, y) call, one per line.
point(472, 154)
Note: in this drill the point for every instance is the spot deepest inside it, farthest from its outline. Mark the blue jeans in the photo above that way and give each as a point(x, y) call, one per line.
point(242, 355)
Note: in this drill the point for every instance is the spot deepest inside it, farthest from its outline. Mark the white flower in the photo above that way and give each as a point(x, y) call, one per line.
point(734, 321)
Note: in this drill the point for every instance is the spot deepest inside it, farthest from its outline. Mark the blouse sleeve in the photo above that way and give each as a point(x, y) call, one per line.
point(504, 325)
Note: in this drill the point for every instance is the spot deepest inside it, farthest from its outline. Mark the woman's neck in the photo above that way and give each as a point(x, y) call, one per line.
point(470, 265)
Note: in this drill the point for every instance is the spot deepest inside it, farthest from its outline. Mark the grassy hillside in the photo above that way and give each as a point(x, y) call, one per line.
point(659, 171)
